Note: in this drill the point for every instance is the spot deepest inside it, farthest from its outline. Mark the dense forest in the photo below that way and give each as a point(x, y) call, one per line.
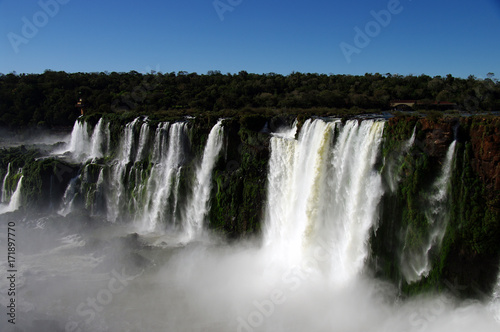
point(49, 100)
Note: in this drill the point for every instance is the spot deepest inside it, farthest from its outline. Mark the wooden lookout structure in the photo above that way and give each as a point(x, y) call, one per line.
point(80, 105)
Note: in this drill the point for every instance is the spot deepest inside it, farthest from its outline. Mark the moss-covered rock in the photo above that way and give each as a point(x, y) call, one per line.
point(469, 252)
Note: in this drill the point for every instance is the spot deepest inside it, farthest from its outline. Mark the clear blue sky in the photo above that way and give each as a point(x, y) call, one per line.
point(434, 37)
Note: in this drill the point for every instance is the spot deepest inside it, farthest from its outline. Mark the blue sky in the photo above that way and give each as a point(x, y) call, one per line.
point(422, 36)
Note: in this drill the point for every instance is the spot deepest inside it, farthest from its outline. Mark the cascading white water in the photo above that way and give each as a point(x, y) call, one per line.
point(116, 188)
point(357, 189)
point(97, 140)
point(149, 198)
point(198, 203)
point(145, 189)
point(324, 192)
point(4, 187)
point(15, 199)
point(168, 156)
point(79, 144)
point(83, 147)
point(294, 168)
point(127, 144)
point(415, 263)
point(107, 134)
point(68, 198)
point(408, 144)
point(143, 139)
point(99, 190)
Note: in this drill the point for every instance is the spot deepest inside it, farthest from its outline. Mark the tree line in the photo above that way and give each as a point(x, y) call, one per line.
point(49, 99)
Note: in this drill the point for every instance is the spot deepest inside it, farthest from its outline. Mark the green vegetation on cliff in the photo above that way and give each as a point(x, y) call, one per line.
point(469, 252)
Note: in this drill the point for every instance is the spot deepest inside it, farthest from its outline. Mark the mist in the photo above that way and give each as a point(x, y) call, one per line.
point(39, 138)
point(109, 279)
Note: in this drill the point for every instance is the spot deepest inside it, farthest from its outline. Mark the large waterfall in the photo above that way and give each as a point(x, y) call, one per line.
point(142, 183)
point(202, 224)
point(324, 191)
point(161, 188)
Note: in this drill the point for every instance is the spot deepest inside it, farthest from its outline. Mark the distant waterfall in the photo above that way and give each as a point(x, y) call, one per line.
point(68, 198)
point(323, 191)
point(168, 156)
point(4, 186)
point(15, 200)
point(197, 206)
point(79, 143)
point(415, 262)
point(97, 140)
point(143, 139)
point(83, 147)
point(116, 190)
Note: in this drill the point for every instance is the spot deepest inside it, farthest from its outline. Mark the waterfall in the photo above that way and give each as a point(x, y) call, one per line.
point(324, 191)
point(79, 144)
point(83, 147)
point(127, 144)
point(294, 168)
point(143, 139)
point(98, 203)
point(68, 198)
point(127, 188)
point(15, 199)
point(415, 262)
point(97, 140)
point(162, 185)
point(408, 144)
point(107, 134)
point(4, 187)
point(116, 190)
point(198, 203)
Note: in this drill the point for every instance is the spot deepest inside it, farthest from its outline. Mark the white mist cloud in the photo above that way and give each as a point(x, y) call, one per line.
point(205, 287)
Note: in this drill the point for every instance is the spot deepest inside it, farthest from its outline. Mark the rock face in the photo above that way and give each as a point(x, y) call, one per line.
point(438, 135)
point(484, 137)
point(485, 140)
point(467, 251)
